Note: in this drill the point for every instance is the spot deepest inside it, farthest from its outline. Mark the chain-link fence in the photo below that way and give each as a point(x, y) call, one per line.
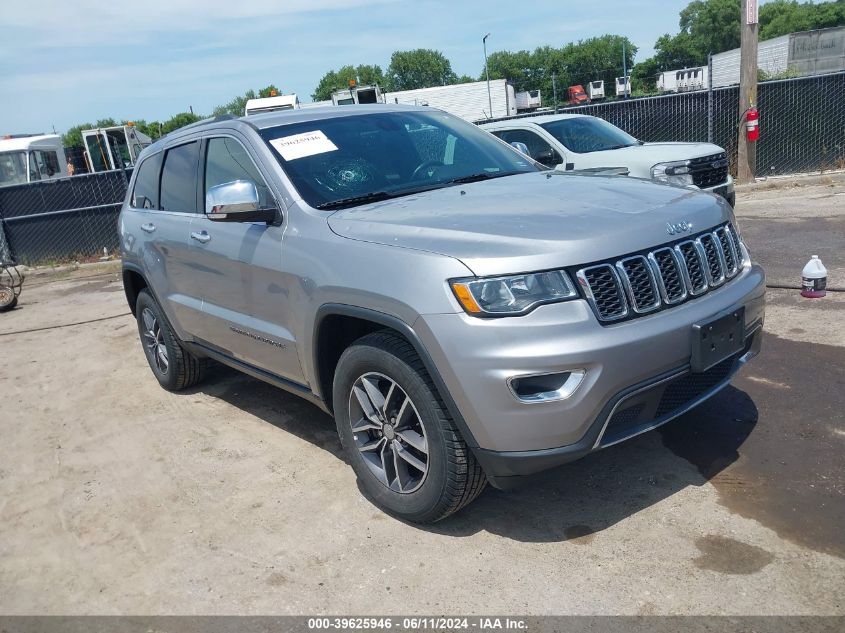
point(802, 124)
point(61, 221)
point(802, 121)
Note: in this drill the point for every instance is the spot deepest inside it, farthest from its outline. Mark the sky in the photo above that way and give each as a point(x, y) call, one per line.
point(68, 62)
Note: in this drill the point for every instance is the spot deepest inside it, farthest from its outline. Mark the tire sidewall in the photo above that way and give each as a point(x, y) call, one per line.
point(146, 301)
point(357, 361)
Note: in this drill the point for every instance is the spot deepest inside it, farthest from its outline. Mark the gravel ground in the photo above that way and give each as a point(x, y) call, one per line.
point(118, 497)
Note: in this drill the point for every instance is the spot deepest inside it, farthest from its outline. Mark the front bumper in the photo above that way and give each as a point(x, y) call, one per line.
point(476, 357)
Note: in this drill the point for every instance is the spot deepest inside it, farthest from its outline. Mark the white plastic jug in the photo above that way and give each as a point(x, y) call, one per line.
point(814, 279)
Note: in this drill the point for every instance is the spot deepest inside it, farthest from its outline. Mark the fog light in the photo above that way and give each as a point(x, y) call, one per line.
point(546, 387)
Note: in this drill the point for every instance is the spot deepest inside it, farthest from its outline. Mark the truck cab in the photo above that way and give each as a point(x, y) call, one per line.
point(116, 147)
point(356, 95)
point(274, 103)
point(31, 158)
point(577, 96)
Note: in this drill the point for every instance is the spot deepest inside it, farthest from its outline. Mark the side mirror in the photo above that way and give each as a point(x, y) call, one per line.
point(548, 157)
point(236, 201)
point(521, 147)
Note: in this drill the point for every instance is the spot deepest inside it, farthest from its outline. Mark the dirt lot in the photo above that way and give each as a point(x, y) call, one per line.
point(117, 497)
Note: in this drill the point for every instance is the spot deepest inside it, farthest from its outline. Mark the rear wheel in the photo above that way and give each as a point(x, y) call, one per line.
point(174, 366)
point(398, 436)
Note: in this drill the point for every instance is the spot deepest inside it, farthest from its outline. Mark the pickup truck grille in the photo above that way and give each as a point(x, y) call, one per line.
point(709, 171)
point(642, 283)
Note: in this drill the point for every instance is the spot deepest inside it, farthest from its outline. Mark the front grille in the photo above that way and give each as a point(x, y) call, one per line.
point(640, 284)
point(606, 292)
point(713, 258)
point(669, 275)
point(728, 249)
point(709, 171)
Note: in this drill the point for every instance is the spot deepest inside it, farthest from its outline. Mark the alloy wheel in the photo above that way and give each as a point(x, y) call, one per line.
point(154, 340)
point(388, 432)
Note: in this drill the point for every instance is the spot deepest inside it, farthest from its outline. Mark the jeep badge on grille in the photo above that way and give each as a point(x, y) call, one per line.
point(678, 227)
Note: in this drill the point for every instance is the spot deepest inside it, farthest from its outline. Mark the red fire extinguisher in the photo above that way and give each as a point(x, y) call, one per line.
point(752, 124)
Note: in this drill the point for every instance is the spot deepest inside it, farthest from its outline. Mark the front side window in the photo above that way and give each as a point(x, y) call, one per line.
point(226, 160)
point(538, 148)
point(13, 168)
point(145, 193)
point(347, 160)
point(46, 163)
point(179, 178)
point(588, 134)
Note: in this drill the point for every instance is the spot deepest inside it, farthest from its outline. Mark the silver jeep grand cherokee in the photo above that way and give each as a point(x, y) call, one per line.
point(464, 314)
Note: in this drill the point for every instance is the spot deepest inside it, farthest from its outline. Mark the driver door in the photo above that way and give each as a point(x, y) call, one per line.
point(238, 271)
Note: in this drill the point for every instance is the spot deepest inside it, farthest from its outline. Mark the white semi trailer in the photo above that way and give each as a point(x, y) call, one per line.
point(469, 101)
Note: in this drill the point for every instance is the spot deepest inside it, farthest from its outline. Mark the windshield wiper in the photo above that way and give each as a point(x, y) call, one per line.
point(375, 196)
point(479, 176)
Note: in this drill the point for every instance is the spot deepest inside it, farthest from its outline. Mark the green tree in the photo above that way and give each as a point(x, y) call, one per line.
point(179, 120)
point(363, 74)
point(713, 26)
point(73, 136)
point(779, 17)
point(150, 128)
point(419, 68)
point(575, 63)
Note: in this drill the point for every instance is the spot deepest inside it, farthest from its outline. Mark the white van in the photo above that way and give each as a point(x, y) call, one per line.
point(26, 159)
point(271, 104)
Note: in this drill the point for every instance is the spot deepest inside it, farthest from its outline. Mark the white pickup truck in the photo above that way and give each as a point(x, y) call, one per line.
point(578, 141)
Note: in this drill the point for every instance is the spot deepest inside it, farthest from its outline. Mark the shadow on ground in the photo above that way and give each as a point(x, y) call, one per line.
point(569, 503)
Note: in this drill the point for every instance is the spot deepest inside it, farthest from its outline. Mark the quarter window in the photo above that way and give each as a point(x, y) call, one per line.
point(145, 193)
point(179, 178)
point(226, 160)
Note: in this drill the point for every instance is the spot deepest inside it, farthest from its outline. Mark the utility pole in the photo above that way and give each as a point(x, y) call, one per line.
point(746, 155)
point(487, 72)
point(624, 72)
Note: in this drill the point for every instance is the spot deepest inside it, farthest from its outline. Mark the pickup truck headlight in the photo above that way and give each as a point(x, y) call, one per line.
point(512, 295)
point(673, 173)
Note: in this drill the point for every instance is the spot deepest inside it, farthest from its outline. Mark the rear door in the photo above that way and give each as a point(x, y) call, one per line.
point(158, 226)
point(237, 268)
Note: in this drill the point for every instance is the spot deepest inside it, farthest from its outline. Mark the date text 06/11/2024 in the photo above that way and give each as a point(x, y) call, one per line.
point(417, 623)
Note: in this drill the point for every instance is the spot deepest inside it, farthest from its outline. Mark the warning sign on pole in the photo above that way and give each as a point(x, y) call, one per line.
point(751, 13)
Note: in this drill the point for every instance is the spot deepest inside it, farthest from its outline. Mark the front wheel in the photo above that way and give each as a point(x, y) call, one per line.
point(398, 436)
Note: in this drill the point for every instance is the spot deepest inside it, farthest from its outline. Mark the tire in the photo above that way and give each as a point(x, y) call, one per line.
point(384, 445)
point(174, 367)
point(8, 299)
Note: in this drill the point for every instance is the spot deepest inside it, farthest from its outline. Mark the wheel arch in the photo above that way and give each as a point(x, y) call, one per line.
point(133, 283)
point(328, 345)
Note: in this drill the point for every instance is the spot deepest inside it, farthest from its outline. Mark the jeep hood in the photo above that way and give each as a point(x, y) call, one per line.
point(533, 221)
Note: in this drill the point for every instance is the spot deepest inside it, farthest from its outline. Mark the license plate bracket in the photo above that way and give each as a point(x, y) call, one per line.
point(717, 338)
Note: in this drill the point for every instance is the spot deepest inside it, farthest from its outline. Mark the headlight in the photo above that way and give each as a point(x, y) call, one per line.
point(512, 295)
point(674, 173)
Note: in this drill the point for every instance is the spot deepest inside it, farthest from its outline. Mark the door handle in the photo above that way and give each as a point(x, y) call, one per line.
point(201, 236)
point(149, 227)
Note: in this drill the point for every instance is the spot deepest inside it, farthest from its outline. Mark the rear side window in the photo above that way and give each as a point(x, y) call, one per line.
point(145, 193)
point(179, 178)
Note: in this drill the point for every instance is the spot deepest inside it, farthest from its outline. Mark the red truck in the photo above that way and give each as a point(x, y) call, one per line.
point(577, 95)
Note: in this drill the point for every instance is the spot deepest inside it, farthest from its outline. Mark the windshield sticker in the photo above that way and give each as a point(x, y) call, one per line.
point(302, 145)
